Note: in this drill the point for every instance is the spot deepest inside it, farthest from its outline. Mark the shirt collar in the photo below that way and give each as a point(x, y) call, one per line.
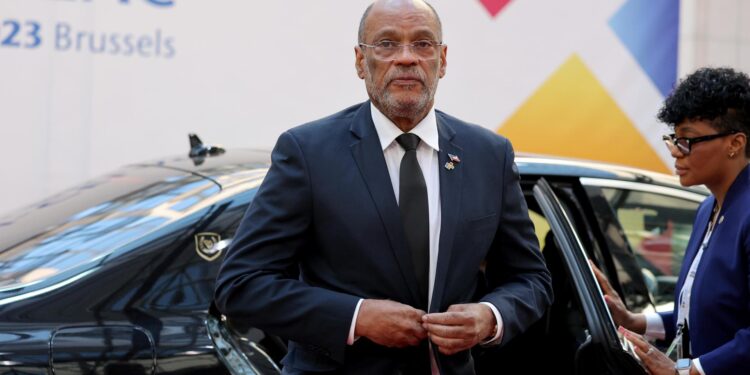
point(388, 131)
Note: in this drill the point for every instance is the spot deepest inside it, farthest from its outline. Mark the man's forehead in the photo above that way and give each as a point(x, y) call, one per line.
point(395, 18)
point(395, 30)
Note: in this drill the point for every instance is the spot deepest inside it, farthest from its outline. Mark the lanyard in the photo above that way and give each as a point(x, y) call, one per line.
point(683, 310)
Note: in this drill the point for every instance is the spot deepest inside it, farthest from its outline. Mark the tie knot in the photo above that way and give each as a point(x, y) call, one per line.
point(408, 141)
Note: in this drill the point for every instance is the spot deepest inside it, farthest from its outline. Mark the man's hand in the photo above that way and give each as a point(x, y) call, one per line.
point(390, 323)
point(460, 328)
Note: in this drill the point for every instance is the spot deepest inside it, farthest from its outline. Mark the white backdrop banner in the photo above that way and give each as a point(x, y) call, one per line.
point(89, 85)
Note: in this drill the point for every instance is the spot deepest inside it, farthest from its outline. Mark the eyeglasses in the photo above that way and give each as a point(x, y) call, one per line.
point(685, 144)
point(388, 50)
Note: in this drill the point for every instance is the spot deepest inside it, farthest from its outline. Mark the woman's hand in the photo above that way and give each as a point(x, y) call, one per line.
point(620, 313)
point(656, 362)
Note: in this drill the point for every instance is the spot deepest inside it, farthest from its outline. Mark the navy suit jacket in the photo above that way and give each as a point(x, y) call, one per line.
point(719, 318)
point(327, 209)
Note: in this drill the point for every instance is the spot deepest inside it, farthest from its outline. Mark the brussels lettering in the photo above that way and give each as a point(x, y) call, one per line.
point(115, 44)
point(29, 34)
point(63, 36)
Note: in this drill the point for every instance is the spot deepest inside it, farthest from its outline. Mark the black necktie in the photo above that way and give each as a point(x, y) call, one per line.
point(412, 201)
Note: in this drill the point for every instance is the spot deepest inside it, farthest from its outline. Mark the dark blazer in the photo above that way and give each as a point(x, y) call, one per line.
point(328, 209)
point(719, 318)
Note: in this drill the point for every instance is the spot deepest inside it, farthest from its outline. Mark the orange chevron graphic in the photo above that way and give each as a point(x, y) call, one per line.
point(572, 115)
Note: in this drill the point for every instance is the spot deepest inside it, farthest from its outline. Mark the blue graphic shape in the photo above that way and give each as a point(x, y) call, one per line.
point(649, 29)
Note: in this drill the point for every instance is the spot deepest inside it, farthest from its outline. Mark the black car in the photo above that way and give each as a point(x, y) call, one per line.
point(116, 275)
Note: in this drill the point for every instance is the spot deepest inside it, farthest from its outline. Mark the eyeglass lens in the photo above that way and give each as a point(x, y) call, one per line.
point(425, 51)
point(680, 144)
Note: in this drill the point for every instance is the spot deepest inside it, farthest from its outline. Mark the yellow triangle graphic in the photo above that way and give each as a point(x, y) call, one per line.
point(572, 115)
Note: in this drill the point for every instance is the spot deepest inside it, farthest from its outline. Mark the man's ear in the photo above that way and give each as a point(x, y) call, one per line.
point(359, 62)
point(443, 60)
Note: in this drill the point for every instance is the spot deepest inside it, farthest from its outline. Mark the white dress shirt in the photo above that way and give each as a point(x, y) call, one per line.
point(427, 156)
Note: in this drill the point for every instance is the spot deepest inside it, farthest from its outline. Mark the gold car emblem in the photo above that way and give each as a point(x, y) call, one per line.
point(205, 245)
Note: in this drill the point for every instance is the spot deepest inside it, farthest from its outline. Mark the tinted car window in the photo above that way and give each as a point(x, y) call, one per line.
point(541, 227)
point(657, 227)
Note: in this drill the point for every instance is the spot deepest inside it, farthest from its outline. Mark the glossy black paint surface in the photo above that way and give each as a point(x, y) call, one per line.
point(105, 278)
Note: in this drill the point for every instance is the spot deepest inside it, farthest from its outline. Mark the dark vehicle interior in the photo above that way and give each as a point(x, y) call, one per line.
point(559, 341)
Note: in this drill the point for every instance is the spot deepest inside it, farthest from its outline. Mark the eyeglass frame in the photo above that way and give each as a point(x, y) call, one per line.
point(672, 140)
point(401, 46)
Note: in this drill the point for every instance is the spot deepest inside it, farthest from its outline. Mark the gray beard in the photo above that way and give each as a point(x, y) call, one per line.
point(395, 108)
point(410, 109)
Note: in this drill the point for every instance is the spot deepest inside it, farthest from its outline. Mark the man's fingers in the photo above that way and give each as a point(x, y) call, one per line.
point(409, 334)
point(449, 346)
point(418, 331)
point(411, 340)
point(390, 323)
point(412, 327)
point(416, 314)
point(457, 308)
point(451, 318)
point(447, 351)
point(459, 332)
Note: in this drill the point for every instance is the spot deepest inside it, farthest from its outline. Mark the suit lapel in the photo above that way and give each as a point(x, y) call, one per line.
point(450, 203)
point(368, 155)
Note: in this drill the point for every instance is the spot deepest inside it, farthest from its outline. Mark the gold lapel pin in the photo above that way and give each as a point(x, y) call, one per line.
point(451, 164)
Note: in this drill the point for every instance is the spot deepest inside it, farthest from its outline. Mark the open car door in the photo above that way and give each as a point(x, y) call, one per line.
point(597, 347)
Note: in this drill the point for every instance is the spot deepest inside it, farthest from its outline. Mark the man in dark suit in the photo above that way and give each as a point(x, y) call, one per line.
point(374, 216)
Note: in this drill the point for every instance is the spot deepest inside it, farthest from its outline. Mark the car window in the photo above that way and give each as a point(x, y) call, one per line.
point(657, 227)
point(541, 227)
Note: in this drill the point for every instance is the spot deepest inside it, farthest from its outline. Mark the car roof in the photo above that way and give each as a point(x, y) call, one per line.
point(229, 168)
point(236, 165)
point(533, 164)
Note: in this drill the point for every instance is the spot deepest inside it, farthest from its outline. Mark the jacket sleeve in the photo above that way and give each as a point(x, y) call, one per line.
point(257, 282)
point(518, 278)
point(670, 327)
point(734, 356)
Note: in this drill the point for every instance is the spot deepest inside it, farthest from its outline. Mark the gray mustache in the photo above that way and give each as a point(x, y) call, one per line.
point(405, 73)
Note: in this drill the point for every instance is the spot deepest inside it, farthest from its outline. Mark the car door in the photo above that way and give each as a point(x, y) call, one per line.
point(601, 351)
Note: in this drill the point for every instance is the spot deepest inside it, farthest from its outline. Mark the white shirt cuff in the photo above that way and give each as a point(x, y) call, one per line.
point(499, 320)
point(697, 364)
point(351, 339)
point(654, 326)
